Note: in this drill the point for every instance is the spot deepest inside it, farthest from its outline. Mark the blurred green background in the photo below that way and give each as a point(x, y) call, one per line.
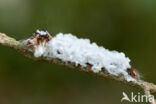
point(123, 25)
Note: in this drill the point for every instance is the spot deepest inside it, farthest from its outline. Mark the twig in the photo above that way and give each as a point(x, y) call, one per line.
point(149, 88)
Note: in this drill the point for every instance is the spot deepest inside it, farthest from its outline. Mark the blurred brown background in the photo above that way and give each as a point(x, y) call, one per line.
point(123, 25)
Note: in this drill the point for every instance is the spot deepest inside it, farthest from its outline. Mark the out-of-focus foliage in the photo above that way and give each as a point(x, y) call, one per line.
point(123, 25)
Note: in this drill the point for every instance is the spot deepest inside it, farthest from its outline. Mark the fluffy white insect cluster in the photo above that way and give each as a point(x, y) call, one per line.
point(81, 51)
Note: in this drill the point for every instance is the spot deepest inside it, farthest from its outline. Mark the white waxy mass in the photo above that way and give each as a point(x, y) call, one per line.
point(67, 47)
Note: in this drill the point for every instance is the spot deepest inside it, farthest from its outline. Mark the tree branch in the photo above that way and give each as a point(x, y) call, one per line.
point(149, 88)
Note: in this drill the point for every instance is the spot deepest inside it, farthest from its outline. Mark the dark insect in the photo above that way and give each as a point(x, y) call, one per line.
point(133, 72)
point(38, 37)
